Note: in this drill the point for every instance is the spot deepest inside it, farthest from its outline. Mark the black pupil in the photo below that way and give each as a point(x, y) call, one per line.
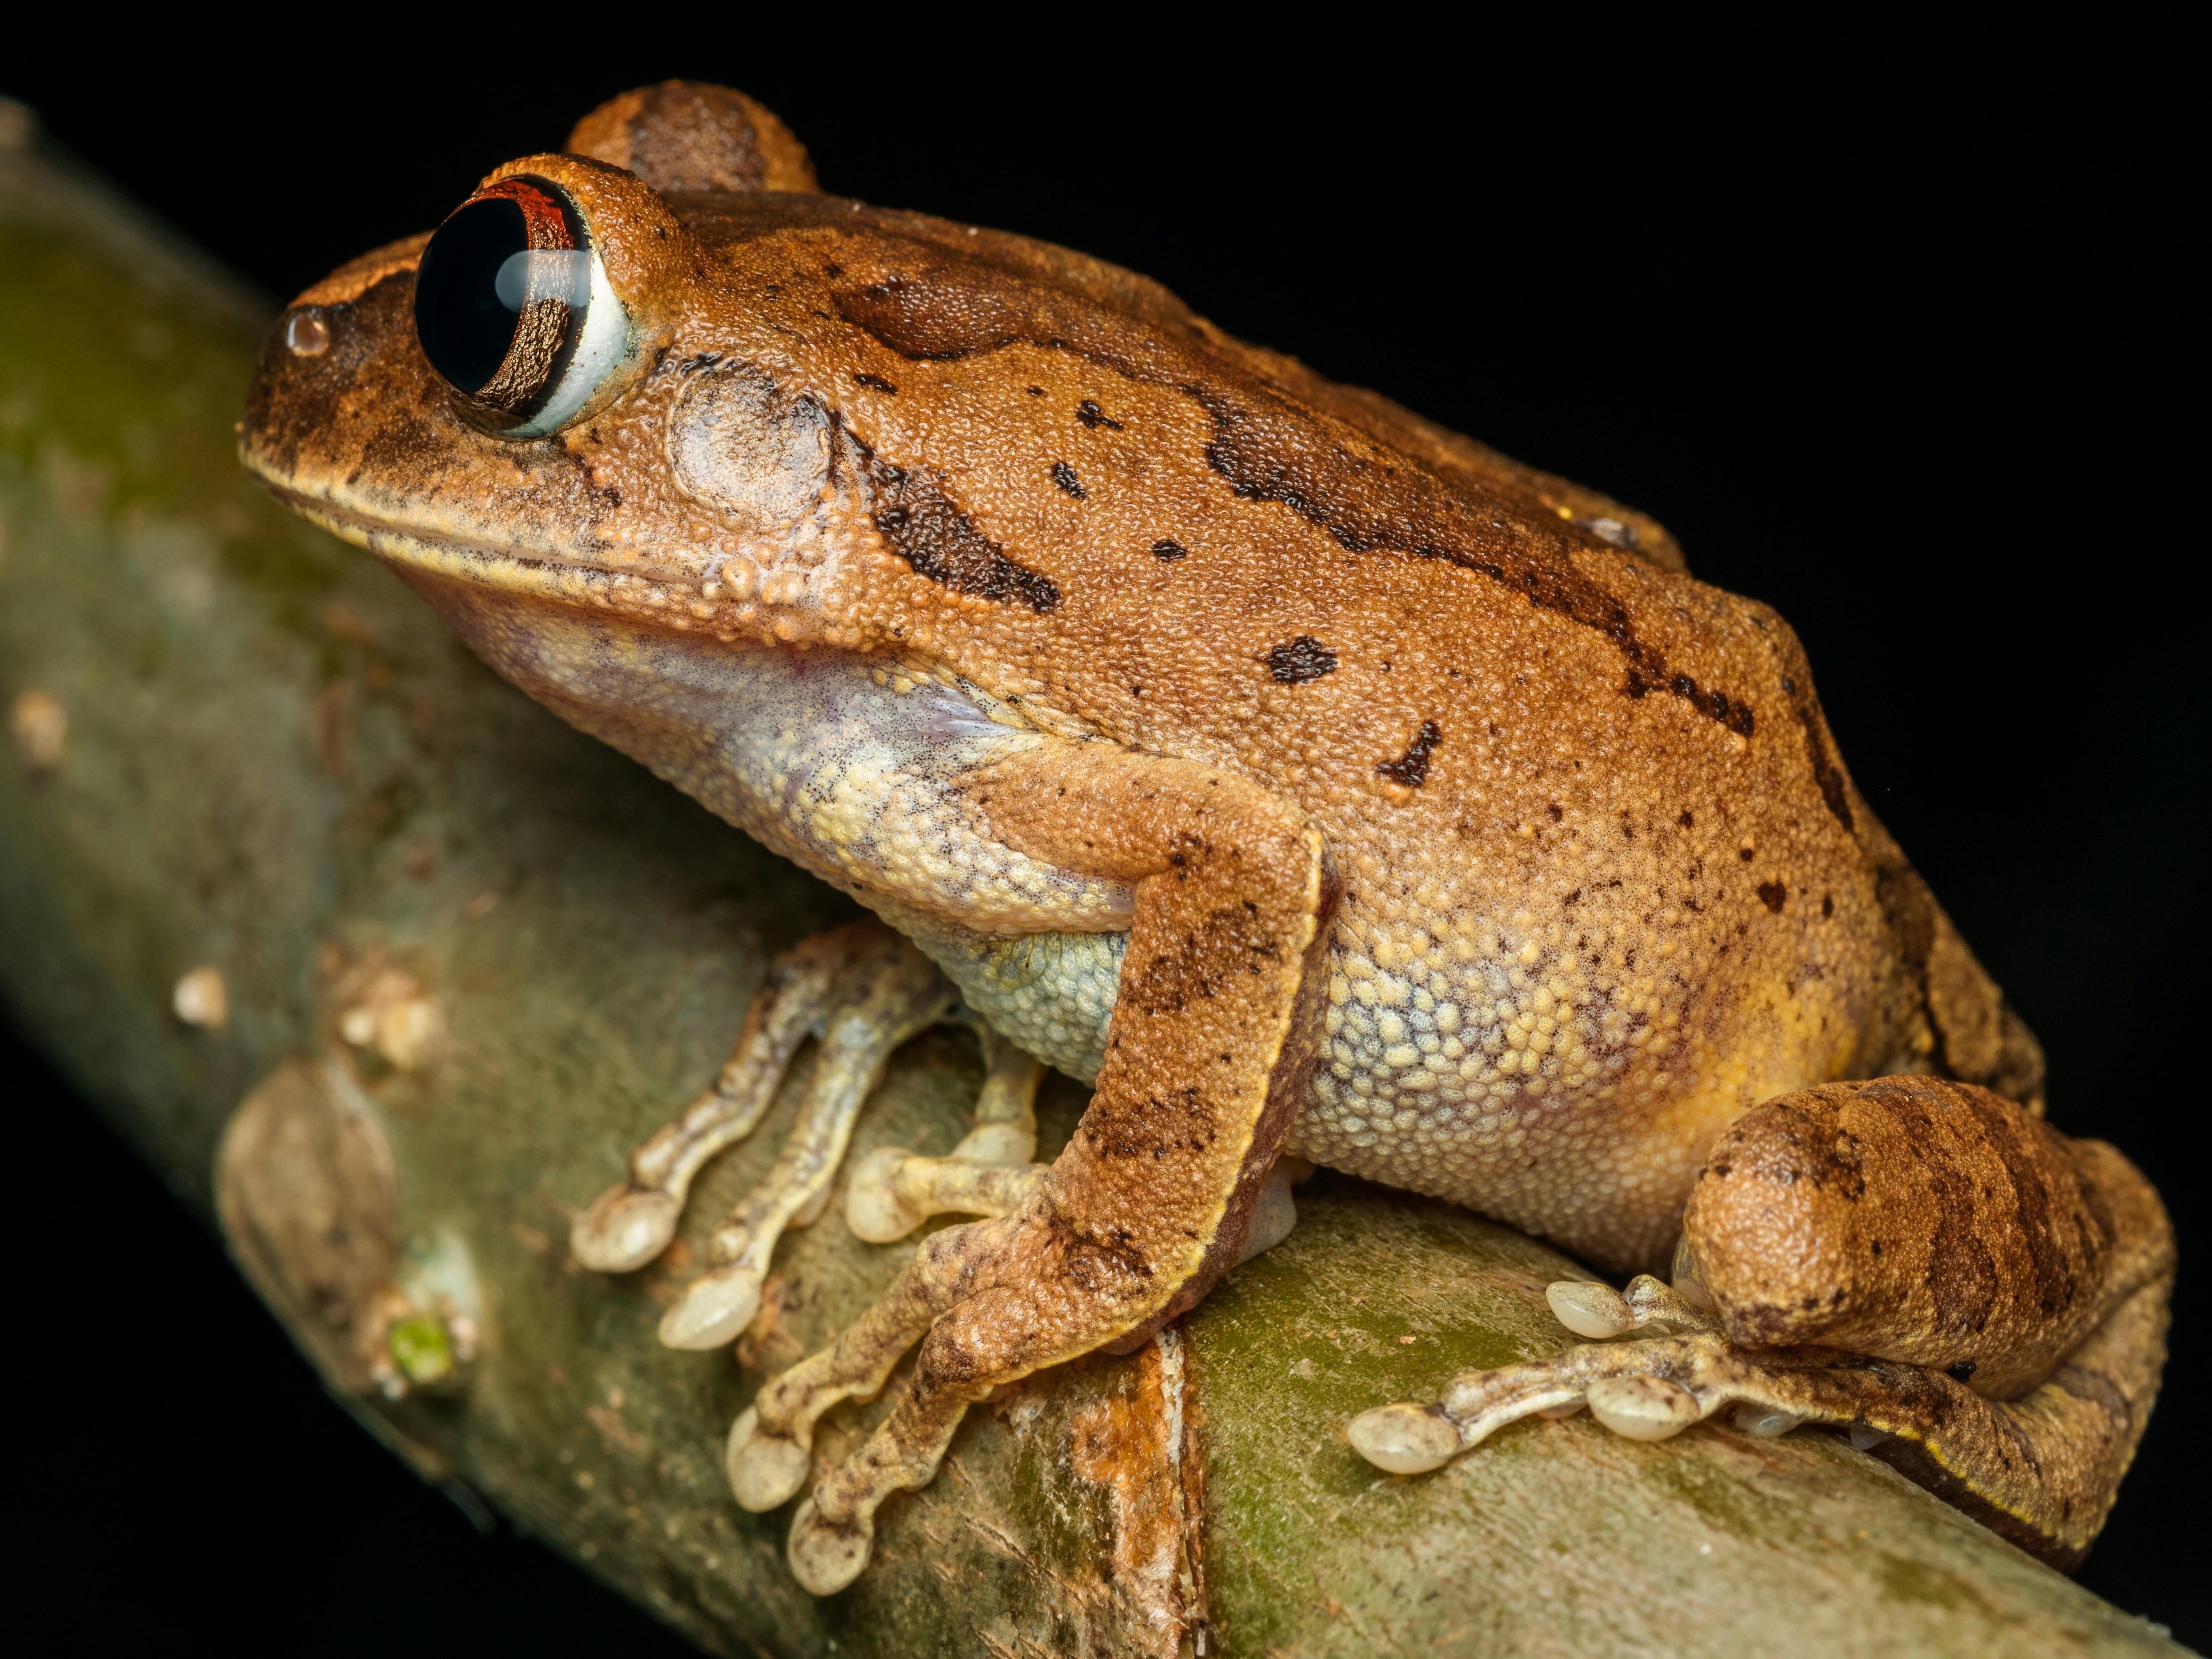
point(464, 327)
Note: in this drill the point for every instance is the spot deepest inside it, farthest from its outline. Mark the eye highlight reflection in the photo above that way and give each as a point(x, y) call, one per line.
point(563, 274)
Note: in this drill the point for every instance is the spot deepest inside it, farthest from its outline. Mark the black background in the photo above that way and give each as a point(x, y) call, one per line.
point(1887, 324)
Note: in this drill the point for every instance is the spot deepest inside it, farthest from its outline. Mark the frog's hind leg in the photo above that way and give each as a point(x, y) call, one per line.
point(2062, 1340)
point(863, 990)
point(2042, 1470)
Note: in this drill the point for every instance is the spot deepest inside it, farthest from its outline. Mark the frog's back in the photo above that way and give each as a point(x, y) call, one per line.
point(1606, 884)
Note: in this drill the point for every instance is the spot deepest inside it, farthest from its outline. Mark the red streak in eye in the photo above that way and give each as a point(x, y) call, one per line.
point(544, 220)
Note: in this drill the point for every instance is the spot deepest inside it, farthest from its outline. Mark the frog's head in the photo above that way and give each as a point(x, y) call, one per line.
point(521, 402)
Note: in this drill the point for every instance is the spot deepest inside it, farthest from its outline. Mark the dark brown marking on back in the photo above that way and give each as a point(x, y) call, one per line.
point(1411, 768)
point(1298, 660)
point(1774, 895)
point(876, 382)
point(927, 529)
point(1369, 498)
point(1063, 476)
point(1827, 772)
point(1367, 505)
point(1981, 1038)
point(1094, 417)
point(1166, 548)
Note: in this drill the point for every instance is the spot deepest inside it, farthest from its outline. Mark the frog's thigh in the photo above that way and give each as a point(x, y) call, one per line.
point(863, 990)
point(1209, 1052)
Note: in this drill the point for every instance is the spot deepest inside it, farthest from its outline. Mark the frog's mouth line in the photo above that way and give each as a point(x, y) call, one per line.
point(474, 563)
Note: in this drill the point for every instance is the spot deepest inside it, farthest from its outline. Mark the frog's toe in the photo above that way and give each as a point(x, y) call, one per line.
point(892, 1191)
point(1648, 1390)
point(765, 1469)
point(1764, 1422)
point(863, 968)
point(1589, 1308)
point(715, 1309)
point(1275, 1213)
point(769, 1446)
point(1597, 1311)
point(1642, 1407)
point(874, 1208)
point(1404, 1438)
point(827, 1555)
point(626, 1227)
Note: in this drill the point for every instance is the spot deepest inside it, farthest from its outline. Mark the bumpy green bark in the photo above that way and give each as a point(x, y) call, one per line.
point(469, 956)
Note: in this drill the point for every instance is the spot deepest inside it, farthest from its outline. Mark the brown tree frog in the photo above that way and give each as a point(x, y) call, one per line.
point(1314, 782)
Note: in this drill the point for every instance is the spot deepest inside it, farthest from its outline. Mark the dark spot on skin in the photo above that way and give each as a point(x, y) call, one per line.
point(703, 360)
point(1774, 895)
point(1094, 417)
point(1411, 768)
point(1553, 813)
point(876, 382)
point(1303, 659)
point(1063, 476)
point(1036, 391)
point(1164, 549)
point(927, 529)
point(1745, 854)
point(1963, 1371)
point(1687, 821)
point(1828, 906)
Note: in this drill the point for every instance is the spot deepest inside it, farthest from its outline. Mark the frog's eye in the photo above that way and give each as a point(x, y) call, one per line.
point(513, 310)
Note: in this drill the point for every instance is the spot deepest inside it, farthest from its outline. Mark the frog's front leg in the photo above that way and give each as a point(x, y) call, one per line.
point(862, 990)
point(1982, 1300)
point(1209, 1052)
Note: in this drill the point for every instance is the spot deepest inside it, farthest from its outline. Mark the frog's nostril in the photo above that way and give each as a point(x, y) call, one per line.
point(305, 333)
